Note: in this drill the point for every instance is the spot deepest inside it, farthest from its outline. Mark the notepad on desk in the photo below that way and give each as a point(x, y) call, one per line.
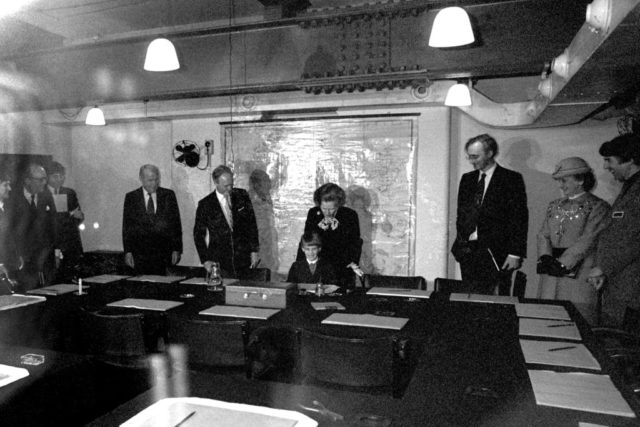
point(399, 292)
point(549, 328)
point(494, 299)
point(542, 311)
point(240, 311)
point(146, 304)
point(203, 281)
point(579, 391)
point(59, 289)
point(152, 278)
point(328, 305)
point(9, 374)
point(558, 353)
point(366, 320)
point(8, 302)
point(105, 278)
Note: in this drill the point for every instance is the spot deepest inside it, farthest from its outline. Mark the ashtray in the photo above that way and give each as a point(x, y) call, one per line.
point(32, 359)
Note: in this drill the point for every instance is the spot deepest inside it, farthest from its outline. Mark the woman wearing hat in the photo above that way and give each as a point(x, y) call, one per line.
point(566, 240)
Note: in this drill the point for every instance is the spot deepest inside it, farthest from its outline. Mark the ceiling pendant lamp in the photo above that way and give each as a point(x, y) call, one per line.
point(95, 117)
point(458, 96)
point(451, 27)
point(161, 56)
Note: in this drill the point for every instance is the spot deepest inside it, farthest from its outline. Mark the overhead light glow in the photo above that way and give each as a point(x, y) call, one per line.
point(451, 27)
point(161, 56)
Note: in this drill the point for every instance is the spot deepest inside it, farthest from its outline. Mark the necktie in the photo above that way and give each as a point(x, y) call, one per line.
point(227, 210)
point(151, 210)
point(312, 267)
point(33, 202)
point(480, 190)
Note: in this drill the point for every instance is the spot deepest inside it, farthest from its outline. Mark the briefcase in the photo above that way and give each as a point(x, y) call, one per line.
point(259, 294)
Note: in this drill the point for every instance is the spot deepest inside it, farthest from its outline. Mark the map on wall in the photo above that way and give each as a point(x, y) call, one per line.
point(281, 164)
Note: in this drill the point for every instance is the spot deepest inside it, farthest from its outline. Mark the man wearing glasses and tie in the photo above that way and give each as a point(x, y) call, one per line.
point(492, 220)
point(151, 227)
point(225, 229)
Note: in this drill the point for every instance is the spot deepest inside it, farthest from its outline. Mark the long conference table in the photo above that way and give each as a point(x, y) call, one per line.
point(460, 346)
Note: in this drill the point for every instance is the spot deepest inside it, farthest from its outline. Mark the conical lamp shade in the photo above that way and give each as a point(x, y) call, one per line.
point(95, 117)
point(451, 27)
point(161, 56)
point(458, 96)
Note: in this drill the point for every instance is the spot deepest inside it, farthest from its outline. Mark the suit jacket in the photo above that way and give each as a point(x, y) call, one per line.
point(67, 226)
point(35, 234)
point(8, 250)
point(145, 234)
point(300, 273)
point(618, 252)
point(503, 217)
point(232, 249)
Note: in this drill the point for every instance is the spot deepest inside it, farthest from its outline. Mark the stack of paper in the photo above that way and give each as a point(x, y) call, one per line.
point(579, 391)
point(549, 328)
point(238, 311)
point(495, 299)
point(399, 292)
point(542, 311)
point(327, 305)
point(8, 302)
point(105, 278)
point(558, 353)
point(156, 279)
point(366, 320)
point(146, 304)
point(203, 281)
point(55, 290)
point(9, 374)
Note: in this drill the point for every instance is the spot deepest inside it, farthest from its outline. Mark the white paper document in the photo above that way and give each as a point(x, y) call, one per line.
point(8, 302)
point(203, 281)
point(494, 299)
point(579, 391)
point(558, 353)
point(399, 292)
point(560, 329)
point(156, 279)
point(60, 201)
point(327, 305)
point(60, 289)
point(105, 278)
point(239, 311)
point(146, 304)
point(366, 320)
point(9, 374)
point(198, 412)
point(542, 311)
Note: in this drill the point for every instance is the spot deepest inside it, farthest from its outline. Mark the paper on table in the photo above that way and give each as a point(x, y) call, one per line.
point(60, 201)
point(9, 374)
point(366, 320)
point(580, 391)
point(542, 311)
point(171, 411)
point(238, 311)
point(328, 305)
point(8, 302)
point(399, 292)
point(59, 289)
point(549, 328)
point(577, 357)
point(156, 279)
point(203, 281)
point(496, 299)
point(146, 304)
point(311, 288)
point(106, 278)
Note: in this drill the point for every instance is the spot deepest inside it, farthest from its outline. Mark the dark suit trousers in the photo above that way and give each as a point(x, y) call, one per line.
point(155, 264)
point(480, 273)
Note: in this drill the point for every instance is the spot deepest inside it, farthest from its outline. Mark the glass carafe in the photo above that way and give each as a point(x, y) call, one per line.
point(214, 278)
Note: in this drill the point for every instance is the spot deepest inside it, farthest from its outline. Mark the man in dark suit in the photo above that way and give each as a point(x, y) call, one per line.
point(151, 227)
point(8, 253)
point(492, 220)
point(33, 212)
point(226, 216)
point(69, 216)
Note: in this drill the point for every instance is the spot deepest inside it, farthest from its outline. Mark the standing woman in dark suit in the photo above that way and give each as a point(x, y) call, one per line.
point(339, 229)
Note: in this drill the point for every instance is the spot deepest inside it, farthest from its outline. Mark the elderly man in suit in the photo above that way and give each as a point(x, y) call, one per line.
point(151, 227)
point(69, 216)
point(33, 212)
point(225, 229)
point(617, 260)
point(492, 220)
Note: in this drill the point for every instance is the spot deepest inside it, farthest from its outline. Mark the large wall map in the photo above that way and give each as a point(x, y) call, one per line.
point(372, 159)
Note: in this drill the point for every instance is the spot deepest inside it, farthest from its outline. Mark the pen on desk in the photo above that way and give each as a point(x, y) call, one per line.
point(558, 325)
point(562, 348)
point(185, 419)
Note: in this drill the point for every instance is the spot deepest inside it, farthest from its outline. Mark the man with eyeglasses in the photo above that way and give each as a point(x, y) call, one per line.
point(492, 220)
point(33, 212)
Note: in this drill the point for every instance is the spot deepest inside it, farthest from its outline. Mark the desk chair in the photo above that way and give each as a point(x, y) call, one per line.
point(448, 286)
point(354, 362)
point(186, 271)
point(407, 282)
point(211, 343)
point(255, 274)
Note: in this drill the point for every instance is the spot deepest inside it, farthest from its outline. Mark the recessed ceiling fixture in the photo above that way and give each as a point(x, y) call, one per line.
point(451, 27)
point(161, 56)
point(95, 117)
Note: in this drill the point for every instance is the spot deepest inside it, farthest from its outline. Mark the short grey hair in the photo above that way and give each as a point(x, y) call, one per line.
point(149, 167)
